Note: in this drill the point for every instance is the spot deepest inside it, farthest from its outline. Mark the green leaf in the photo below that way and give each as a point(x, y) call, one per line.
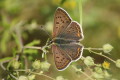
point(4, 41)
point(34, 42)
point(5, 59)
point(16, 40)
point(14, 52)
point(9, 64)
point(5, 21)
point(30, 51)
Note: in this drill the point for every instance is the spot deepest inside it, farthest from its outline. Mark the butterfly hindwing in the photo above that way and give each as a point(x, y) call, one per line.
point(61, 21)
point(73, 50)
point(73, 32)
point(62, 60)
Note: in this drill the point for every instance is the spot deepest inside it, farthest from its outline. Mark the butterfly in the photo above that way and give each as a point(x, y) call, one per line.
point(65, 39)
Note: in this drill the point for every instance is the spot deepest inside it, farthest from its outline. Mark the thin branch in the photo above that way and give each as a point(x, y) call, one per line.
point(18, 32)
point(83, 73)
point(13, 77)
point(86, 75)
point(35, 73)
point(43, 75)
point(1, 64)
point(103, 56)
point(93, 48)
point(26, 62)
point(32, 47)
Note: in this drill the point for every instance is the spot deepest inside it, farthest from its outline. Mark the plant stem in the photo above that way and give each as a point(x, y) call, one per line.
point(43, 75)
point(102, 55)
point(35, 73)
point(93, 48)
point(2, 66)
point(86, 75)
point(13, 77)
point(18, 32)
point(82, 72)
point(32, 47)
point(26, 62)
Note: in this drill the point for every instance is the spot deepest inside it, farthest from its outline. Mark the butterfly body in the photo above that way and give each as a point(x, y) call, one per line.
point(66, 37)
point(63, 41)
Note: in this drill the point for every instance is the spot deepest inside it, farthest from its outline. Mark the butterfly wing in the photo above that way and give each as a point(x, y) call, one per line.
point(73, 50)
point(64, 54)
point(61, 21)
point(73, 32)
point(62, 60)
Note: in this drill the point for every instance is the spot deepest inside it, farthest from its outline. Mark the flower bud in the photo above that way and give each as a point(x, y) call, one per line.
point(107, 48)
point(89, 61)
point(106, 74)
point(106, 65)
point(36, 64)
point(97, 75)
point(45, 65)
point(98, 70)
point(22, 78)
point(118, 63)
point(60, 78)
point(15, 64)
point(31, 77)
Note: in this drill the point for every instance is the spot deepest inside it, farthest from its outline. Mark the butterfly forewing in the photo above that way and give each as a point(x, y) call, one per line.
point(61, 21)
point(62, 60)
point(73, 32)
point(73, 50)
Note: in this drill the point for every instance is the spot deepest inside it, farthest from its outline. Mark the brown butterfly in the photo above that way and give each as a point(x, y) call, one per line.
point(65, 39)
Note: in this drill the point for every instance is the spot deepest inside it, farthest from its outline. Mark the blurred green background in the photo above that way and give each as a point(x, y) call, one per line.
point(101, 25)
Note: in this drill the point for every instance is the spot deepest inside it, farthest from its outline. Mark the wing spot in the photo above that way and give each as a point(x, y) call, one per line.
point(57, 57)
point(67, 21)
point(57, 22)
point(78, 51)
